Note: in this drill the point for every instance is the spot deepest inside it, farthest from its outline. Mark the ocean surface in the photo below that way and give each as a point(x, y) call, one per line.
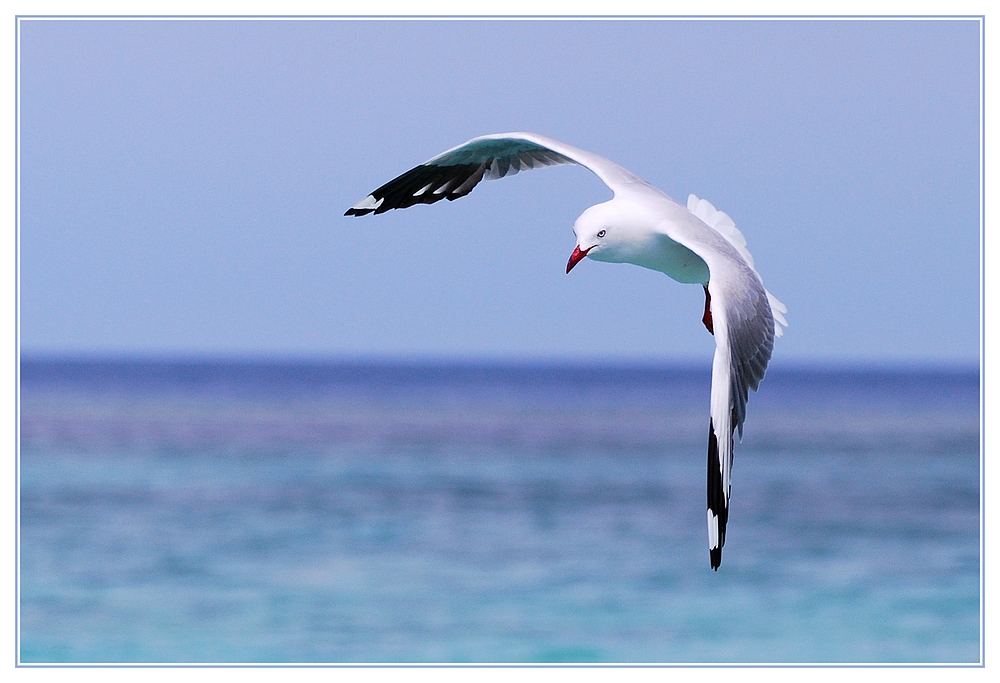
point(395, 513)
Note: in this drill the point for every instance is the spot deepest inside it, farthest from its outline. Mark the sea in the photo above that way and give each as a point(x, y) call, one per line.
point(393, 512)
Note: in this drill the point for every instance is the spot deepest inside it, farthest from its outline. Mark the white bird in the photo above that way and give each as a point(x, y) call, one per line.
point(640, 225)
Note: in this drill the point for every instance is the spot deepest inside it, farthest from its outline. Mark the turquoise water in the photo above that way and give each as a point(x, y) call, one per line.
point(242, 512)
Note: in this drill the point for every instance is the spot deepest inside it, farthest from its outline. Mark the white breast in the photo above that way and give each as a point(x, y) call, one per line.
point(676, 260)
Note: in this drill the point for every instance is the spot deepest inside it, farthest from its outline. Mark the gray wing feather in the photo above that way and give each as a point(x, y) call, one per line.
point(750, 328)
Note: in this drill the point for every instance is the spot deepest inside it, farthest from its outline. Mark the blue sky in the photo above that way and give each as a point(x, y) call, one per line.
point(183, 185)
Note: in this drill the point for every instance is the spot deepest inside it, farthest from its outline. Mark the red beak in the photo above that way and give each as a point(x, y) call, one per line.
point(576, 257)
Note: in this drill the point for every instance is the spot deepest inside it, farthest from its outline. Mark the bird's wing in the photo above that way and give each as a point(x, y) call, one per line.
point(453, 174)
point(744, 330)
point(744, 337)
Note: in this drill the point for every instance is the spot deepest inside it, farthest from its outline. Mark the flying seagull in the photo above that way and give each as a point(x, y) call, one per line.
point(641, 225)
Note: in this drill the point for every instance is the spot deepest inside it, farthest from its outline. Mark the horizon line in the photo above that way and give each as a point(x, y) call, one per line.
point(453, 359)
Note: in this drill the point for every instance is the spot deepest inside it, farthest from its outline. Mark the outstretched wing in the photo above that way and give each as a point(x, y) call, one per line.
point(746, 318)
point(453, 174)
point(744, 328)
point(744, 337)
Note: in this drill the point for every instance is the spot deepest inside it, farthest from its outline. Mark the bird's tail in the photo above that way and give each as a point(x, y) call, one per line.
point(724, 225)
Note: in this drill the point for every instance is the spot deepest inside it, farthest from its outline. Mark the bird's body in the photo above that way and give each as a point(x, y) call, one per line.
point(641, 225)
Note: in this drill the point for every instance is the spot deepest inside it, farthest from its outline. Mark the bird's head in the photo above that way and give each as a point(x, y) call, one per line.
point(597, 236)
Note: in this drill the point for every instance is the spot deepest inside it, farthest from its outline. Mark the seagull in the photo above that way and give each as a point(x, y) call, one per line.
point(641, 225)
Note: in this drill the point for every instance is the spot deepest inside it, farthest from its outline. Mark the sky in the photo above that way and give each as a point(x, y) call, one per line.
point(182, 185)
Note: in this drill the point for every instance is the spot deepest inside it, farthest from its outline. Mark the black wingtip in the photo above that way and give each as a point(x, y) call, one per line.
point(717, 507)
point(424, 184)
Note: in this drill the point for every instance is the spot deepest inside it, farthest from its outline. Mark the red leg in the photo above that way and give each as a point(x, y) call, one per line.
point(707, 319)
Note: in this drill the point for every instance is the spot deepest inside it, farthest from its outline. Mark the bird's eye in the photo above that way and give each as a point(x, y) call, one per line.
point(602, 233)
